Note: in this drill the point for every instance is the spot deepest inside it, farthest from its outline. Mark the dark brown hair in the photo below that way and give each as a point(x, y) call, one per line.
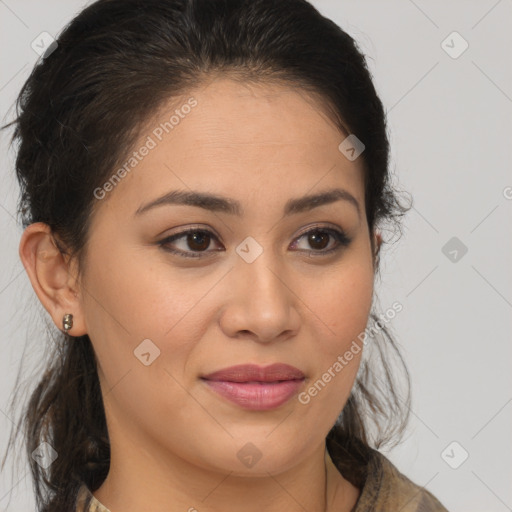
point(78, 115)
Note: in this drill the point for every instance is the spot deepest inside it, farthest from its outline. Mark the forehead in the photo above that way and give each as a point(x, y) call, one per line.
point(233, 113)
point(239, 139)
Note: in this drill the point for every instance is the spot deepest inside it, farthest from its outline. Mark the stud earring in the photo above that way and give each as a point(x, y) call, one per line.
point(67, 322)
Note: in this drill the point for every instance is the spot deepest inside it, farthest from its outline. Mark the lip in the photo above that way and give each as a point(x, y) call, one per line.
point(253, 372)
point(255, 387)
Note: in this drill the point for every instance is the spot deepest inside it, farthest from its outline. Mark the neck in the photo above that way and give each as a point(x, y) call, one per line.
point(145, 479)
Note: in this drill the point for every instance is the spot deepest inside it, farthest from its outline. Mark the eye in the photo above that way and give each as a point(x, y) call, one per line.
point(195, 241)
point(192, 239)
point(318, 238)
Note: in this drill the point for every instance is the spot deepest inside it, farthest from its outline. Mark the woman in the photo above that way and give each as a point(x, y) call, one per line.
point(202, 188)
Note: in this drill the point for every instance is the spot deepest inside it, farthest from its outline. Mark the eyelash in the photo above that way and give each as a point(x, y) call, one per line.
point(341, 238)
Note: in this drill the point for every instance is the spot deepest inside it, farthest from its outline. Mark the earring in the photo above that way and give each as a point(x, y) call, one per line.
point(67, 322)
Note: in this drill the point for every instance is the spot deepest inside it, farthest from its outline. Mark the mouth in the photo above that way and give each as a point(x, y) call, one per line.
point(254, 373)
point(254, 387)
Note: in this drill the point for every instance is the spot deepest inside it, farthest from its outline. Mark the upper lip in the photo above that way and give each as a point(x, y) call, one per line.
point(252, 372)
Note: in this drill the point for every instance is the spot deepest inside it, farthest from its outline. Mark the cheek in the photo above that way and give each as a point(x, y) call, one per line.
point(342, 303)
point(126, 307)
point(135, 317)
point(138, 300)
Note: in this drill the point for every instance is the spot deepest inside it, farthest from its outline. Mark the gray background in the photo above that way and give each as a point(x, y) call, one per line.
point(450, 124)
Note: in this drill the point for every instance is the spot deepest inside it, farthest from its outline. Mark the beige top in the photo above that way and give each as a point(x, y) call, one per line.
point(384, 490)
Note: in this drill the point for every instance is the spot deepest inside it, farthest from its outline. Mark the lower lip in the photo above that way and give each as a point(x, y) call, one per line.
point(254, 395)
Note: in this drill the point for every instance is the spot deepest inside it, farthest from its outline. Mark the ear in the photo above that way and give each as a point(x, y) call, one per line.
point(376, 244)
point(51, 276)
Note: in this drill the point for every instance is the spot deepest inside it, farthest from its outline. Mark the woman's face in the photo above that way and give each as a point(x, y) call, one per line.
point(248, 291)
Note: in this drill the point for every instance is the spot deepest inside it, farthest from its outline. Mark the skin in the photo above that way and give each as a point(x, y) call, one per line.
point(174, 442)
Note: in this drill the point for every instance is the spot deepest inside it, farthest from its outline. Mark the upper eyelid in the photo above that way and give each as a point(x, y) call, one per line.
point(193, 229)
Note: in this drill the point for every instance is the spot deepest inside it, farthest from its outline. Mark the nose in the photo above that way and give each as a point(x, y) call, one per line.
point(260, 303)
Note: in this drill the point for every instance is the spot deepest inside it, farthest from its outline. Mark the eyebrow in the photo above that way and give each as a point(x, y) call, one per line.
point(216, 203)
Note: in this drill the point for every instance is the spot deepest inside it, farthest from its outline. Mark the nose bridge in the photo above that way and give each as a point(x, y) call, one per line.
point(257, 266)
point(260, 303)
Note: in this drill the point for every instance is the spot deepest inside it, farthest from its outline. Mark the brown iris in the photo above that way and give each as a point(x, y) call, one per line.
point(198, 241)
point(315, 237)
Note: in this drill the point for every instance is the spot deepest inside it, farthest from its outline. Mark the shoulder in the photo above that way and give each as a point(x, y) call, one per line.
point(387, 489)
point(86, 502)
